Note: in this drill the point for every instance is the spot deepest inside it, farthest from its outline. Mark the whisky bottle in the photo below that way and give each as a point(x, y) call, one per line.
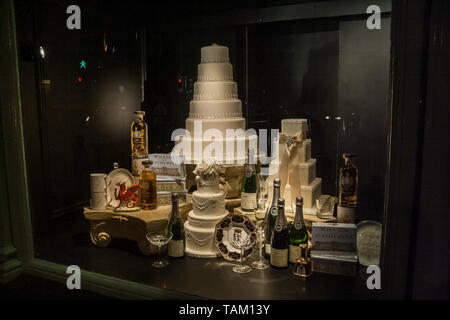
point(348, 183)
point(271, 216)
point(298, 234)
point(279, 251)
point(176, 228)
point(249, 185)
point(139, 135)
point(147, 187)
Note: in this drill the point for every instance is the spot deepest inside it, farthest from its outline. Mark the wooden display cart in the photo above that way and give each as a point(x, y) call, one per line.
point(107, 224)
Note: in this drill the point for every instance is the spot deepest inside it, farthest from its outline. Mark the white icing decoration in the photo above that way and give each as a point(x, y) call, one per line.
point(216, 115)
point(197, 241)
point(202, 206)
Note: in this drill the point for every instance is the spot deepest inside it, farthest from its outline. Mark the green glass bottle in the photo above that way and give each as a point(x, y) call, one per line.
point(279, 251)
point(297, 233)
point(249, 189)
point(271, 217)
point(176, 228)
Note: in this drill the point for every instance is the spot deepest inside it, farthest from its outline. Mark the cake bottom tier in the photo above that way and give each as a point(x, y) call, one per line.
point(311, 192)
point(200, 240)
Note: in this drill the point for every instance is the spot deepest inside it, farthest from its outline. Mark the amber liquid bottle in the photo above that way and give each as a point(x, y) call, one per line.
point(139, 135)
point(147, 187)
point(348, 183)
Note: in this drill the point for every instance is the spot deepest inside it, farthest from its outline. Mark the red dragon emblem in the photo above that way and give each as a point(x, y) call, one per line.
point(128, 197)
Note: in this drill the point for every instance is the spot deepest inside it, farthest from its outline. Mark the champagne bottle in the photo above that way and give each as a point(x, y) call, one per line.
point(271, 216)
point(279, 251)
point(297, 234)
point(249, 188)
point(176, 228)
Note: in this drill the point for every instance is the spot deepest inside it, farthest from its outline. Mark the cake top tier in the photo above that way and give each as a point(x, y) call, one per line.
point(214, 53)
point(294, 126)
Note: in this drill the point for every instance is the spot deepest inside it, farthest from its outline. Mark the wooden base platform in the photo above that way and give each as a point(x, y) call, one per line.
point(107, 224)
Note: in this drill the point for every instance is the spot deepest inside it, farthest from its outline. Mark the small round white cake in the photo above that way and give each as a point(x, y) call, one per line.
point(208, 208)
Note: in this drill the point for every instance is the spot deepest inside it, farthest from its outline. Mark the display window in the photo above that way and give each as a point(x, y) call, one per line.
point(251, 150)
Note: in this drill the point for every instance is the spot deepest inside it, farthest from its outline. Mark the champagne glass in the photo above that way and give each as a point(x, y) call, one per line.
point(159, 239)
point(260, 264)
point(242, 241)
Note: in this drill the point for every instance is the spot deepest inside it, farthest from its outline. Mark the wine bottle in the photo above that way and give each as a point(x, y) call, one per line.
point(297, 234)
point(147, 187)
point(139, 135)
point(279, 251)
point(176, 228)
point(271, 217)
point(348, 183)
point(249, 188)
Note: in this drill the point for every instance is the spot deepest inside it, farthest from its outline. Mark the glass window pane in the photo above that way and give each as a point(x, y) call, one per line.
point(81, 88)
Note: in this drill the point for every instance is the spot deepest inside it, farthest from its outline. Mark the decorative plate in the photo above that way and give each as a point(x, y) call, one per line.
point(230, 231)
point(118, 177)
point(368, 242)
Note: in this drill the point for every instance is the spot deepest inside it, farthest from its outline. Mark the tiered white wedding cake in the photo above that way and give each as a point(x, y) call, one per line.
point(216, 106)
point(208, 208)
point(296, 167)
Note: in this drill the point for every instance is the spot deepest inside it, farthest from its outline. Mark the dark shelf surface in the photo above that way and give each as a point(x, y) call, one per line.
point(68, 243)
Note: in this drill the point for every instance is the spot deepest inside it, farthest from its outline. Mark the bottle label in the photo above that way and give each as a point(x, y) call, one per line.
point(176, 248)
point(248, 200)
point(298, 223)
point(249, 172)
point(137, 138)
point(267, 248)
point(295, 253)
point(279, 257)
point(348, 184)
point(274, 211)
point(144, 189)
point(278, 227)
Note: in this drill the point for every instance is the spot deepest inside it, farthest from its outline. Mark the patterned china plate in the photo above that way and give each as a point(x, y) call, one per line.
point(117, 177)
point(229, 231)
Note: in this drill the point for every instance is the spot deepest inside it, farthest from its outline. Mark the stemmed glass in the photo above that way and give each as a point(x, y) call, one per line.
point(159, 239)
point(260, 264)
point(242, 241)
